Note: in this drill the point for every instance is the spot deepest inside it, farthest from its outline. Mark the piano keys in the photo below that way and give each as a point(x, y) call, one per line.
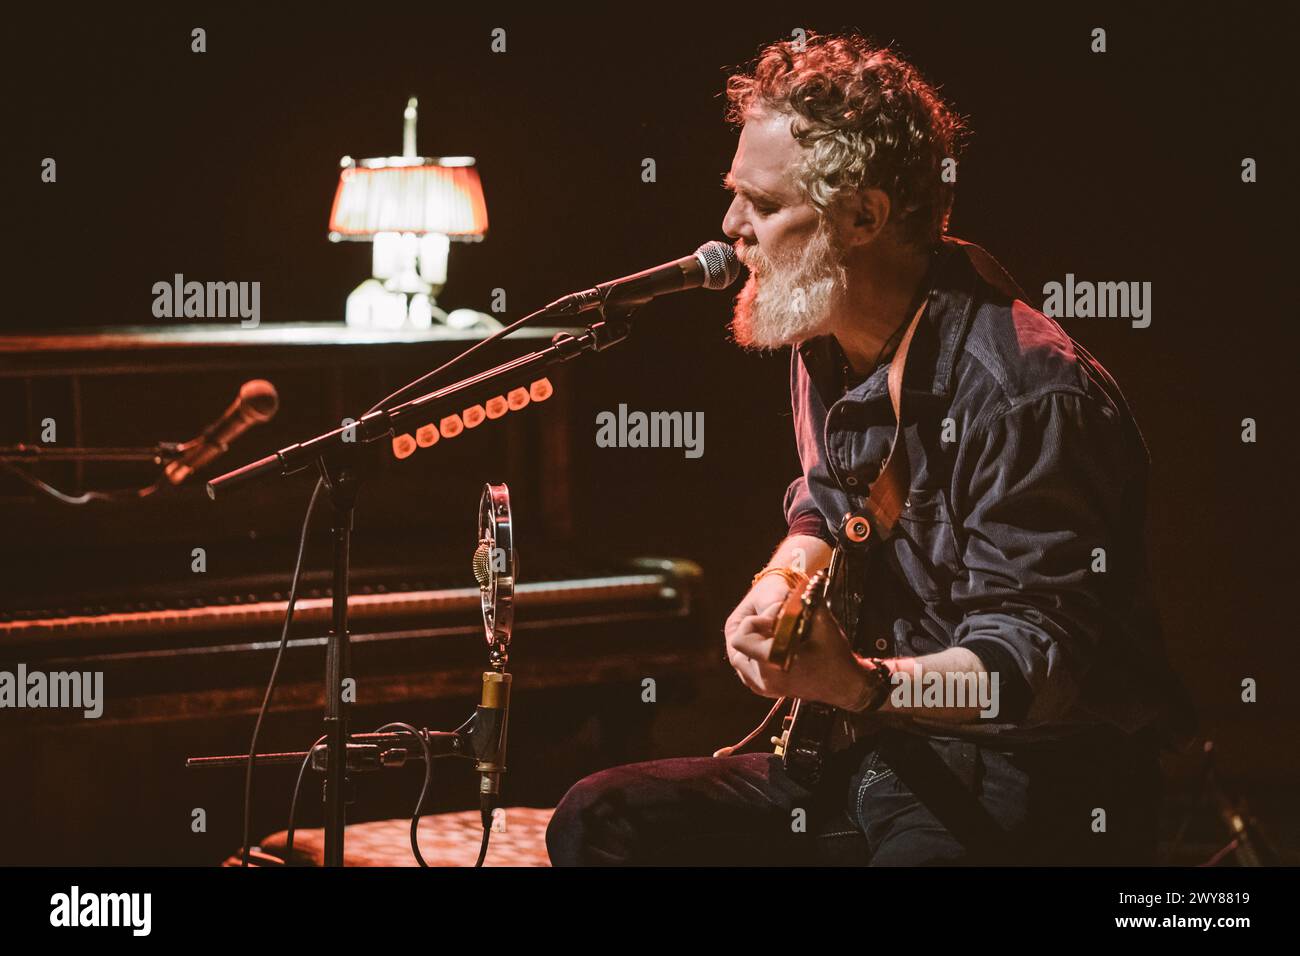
point(195, 657)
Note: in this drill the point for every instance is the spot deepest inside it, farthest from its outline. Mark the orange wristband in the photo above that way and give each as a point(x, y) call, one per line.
point(795, 579)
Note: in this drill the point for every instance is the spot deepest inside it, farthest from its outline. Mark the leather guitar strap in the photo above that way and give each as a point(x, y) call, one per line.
point(889, 490)
point(886, 496)
point(888, 493)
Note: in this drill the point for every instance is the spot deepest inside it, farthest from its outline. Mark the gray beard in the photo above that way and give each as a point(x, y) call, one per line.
point(789, 302)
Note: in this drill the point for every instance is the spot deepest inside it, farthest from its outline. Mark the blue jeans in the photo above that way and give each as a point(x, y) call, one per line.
point(900, 799)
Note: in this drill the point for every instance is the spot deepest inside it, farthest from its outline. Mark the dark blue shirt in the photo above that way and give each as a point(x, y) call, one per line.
point(1023, 534)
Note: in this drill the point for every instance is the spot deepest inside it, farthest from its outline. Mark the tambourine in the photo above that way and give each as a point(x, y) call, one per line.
point(495, 566)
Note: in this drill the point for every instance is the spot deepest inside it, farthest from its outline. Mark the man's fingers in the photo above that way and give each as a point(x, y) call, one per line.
point(753, 635)
point(759, 676)
point(752, 643)
point(746, 669)
point(763, 624)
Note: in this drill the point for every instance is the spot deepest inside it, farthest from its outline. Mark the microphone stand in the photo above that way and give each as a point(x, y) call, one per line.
point(430, 407)
point(365, 752)
point(11, 456)
point(159, 454)
point(341, 482)
point(335, 454)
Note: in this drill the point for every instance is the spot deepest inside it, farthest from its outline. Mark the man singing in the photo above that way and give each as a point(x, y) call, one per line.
point(1017, 564)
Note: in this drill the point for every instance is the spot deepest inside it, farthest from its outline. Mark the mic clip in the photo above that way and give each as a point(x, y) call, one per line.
point(480, 738)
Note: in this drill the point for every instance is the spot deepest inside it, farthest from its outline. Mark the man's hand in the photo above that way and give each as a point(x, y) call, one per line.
point(824, 669)
point(770, 590)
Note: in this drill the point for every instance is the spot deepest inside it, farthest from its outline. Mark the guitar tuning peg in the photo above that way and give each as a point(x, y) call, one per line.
point(426, 435)
point(497, 406)
point(474, 416)
point(517, 398)
point(540, 390)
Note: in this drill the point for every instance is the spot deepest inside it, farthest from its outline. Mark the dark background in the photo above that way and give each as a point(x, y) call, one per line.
point(1117, 166)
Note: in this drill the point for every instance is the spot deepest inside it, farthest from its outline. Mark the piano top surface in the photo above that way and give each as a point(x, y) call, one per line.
point(229, 333)
point(213, 346)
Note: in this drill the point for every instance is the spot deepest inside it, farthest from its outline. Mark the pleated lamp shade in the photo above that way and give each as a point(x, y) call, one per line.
point(409, 195)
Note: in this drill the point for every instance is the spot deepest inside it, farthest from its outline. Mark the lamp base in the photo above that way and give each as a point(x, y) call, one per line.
point(371, 306)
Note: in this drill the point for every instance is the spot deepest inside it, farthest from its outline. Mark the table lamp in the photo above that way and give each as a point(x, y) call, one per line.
point(409, 207)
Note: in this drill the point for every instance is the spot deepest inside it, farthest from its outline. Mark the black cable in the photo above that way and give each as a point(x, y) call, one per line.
point(419, 804)
point(427, 377)
point(487, 829)
point(85, 497)
point(293, 804)
point(482, 850)
point(424, 791)
point(275, 669)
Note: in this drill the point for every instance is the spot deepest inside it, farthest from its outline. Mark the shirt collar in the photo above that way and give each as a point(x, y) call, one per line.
point(932, 357)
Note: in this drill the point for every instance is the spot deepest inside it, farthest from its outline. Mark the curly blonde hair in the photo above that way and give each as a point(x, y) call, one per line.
point(866, 118)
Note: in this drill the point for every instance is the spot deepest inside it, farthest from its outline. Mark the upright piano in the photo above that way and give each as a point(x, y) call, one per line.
point(179, 600)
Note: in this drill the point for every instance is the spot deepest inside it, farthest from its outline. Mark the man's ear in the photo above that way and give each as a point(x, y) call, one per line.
point(868, 215)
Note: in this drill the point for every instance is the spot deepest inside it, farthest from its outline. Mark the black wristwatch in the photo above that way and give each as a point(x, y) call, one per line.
point(877, 687)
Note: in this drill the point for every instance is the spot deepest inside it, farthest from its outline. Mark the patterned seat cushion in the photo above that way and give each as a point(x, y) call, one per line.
point(446, 839)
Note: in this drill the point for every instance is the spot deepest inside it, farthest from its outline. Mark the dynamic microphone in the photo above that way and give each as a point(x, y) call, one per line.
point(712, 266)
point(257, 403)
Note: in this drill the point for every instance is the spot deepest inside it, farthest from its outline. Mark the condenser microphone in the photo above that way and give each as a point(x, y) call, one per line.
point(712, 266)
point(494, 721)
point(256, 403)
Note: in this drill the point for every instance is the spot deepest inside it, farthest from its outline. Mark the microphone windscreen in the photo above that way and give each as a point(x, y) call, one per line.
point(259, 400)
point(721, 266)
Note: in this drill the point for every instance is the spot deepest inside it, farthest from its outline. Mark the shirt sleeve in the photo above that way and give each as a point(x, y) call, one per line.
point(801, 513)
point(1037, 490)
